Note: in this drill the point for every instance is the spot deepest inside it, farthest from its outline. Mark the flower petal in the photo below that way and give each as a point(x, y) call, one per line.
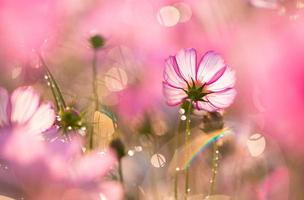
point(42, 120)
point(111, 190)
point(186, 61)
point(201, 105)
point(227, 80)
point(174, 95)
point(222, 99)
point(172, 74)
point(3, 107)
point(24, 102)
point(210, 68)
point(101, 163)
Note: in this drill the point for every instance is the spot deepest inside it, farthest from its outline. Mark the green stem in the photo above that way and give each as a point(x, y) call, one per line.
point(176, 171)
point(120, 170)
point(215, 159)
point(187, 138)
point(95, 94)
point(94, 80)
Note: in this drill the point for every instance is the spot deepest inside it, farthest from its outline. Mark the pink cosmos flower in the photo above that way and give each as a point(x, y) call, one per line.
point(208, 84)
point(24, 157)
point(57, 170)
point(23, 110)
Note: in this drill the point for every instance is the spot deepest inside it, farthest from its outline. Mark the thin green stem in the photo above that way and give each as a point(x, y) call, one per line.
point(94, 80)
point(176, 170)
point(215, 163)
point(187, 138)
point(95, 94)
point(120, 170)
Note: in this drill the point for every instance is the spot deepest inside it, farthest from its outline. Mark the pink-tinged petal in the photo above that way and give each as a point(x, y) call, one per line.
point(227, 80)
point(201, 105)
point(24, 102)
point(93, 166)
point(186, 61)
point(3, 107)
point(222, 99)
point(174, 95)
point(211, 68)
point(22, 148)
point(111, 191)
point(42, 120)
point(172, 74)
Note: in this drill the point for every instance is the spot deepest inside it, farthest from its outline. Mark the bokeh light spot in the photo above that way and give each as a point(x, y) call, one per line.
point(116, 79)
point(256, 144)
point(168, 16)
point(158, 160)
point(184, 10)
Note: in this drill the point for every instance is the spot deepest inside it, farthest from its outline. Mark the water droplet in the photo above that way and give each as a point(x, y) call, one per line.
point(131, 153)
point(181, 111)
point(183, 117)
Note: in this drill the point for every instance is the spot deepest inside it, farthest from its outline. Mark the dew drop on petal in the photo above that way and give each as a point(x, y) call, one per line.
point(168, 16)
point(158, 160)
point(256, 144)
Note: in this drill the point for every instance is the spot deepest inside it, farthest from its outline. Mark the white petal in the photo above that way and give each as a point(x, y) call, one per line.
point(3, 107)
point(42, 120)
point(172, 74)
point(222, 99)
point(186, 61)
point(174, 96)
point(24, 102)
point(200, 105)
point(210, 65)
point(227, 80)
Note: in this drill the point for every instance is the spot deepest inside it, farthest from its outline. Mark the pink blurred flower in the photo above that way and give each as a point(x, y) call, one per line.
point(22, 110)
point(67, 172)
point(27, 27)
point(270, 53)
point(208, 83)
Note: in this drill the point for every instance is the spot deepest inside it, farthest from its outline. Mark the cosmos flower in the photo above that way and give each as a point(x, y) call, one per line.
point(23, 110)
point(67, 172)
point(208, 84)
point(37, 169)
